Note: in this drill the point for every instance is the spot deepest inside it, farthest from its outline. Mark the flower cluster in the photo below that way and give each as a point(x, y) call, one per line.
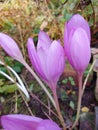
point(48, 60)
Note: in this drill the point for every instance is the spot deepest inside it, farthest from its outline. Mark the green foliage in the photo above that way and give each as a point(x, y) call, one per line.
point(2, 68)
point(70, 80)
point(8, 25)
point(7, 88)
point(1, 82)
point(63, 95)
point(72, 105)
point(62, 1)
point(17, 66)
point(65, 81)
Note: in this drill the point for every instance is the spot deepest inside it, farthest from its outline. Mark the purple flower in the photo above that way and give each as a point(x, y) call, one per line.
point(24, 122)
point(47, 59)
point(10, 46)
point(77, 43)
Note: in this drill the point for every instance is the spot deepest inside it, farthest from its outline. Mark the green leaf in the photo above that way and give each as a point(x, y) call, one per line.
point(8, 60)
point(72, 105)
point(63, 1)
point(63, 95)
point(71, 80)
point(8, 88)
point(36, 30)
point(17, 69)
point(64, 81)
point(8, 25)
point(17, 66)
point(1, 82)
point(68, 16)
point(4, 70)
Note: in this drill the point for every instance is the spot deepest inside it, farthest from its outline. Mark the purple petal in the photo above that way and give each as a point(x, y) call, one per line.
point(20, 122)
point(78, 21)
point(66, 44)
point(67, 38)
point(43, 40)
point(42, 55)
point(10, 47)
point(80, 50)
point(55, 61)
point(34, 58)
point(48, 125)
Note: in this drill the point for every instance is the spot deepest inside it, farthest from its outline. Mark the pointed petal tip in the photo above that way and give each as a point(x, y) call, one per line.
point(30, 41)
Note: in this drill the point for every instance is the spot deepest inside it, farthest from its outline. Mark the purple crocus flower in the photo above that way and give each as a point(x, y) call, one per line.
point(47, 59)
point(11, 47)
point(25, 122)
point(77, 43)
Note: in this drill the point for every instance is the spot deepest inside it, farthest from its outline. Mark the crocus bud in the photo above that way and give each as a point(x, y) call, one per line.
point(48, 59)
point(77, 43)
point(10, 47)
point(75, 22)
point(25, 122)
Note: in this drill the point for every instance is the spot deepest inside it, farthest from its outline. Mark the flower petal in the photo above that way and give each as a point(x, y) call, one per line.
point(80, 50)
point(48, 125)
point(43, 40)
point(78, 21)
point(10, 46)
point(55, 61)
point(67, 38)
point(34, 58)
point(42, 55)
point(20, 122)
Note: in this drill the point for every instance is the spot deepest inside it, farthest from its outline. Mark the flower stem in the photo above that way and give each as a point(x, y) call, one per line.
point(79, 100)
point(40, 83)
point(86, 79)
point(58, 109)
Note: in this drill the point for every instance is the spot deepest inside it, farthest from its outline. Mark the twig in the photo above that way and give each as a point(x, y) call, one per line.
point(22, 42)
point(40, 83)
point(93, 14)
point(16, 110)
point(47, 115)
point(49, 106)
point(35, 97)
point(29, 110)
